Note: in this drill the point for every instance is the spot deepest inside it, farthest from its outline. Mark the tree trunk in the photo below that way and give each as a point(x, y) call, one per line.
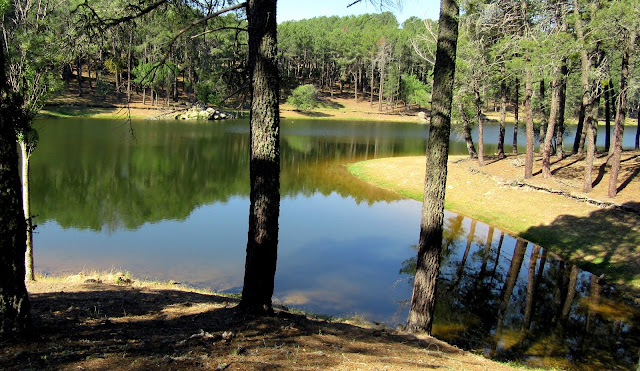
point(381, 91)
point(129, 66)
point(466, 128)
point(373, 68)
point(79, 77)
point(503, 113)
point(620, 117)
point(561, 109)
point(262, 244)
point(516, 109)
point(430, 245)
point(510, 281)
point(637, 143)
point(543, 118)
point(578, 142)
point(607, 116)
point(26, 206)
point(478, 103)
point(553, 115)
point(14, 300)
point(528, 164)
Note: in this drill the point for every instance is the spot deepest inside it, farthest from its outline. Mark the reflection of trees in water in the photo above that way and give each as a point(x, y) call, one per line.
point(94, 175)
point(531, 306)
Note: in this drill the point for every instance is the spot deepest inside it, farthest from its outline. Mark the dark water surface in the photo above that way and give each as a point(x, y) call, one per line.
point(170, 201)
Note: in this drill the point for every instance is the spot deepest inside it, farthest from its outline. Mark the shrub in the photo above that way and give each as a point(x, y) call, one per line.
point(303, 98)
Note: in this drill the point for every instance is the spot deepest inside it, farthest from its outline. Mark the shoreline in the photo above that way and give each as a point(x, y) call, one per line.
point(550, 213)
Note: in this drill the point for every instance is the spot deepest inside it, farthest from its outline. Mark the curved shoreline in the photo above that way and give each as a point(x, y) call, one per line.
point(601, 240)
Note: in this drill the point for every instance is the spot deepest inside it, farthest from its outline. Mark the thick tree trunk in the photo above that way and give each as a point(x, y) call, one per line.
point(621, 115)
point(26, 206)
point(14, 300)
point(262, 244)
point(503, 113)
point(430, 245)
point(516, 111)
point(480, 121)
point(528, 163)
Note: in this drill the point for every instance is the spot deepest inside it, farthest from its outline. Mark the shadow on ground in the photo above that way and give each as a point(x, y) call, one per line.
point(613, 248)
point(116, 327)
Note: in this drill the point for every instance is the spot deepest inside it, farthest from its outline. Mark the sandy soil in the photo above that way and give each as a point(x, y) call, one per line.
point(84, 323)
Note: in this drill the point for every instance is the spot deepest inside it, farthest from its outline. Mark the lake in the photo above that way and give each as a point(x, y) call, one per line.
point(169, 200)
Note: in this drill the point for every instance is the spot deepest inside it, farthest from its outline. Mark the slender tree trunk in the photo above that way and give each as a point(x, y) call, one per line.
point(262, 245)
point(373, 68)
point(129, 66)
point(528, 164)
point(381, 91)
point(553, 115)
point(543, 118)
point(466, 128)
point(607, 116)
point(620, 117)
point(516, 109)
point(429, 251)
point(578, 142)
point(26, 206)
point(79, 77)
point(478, 103)
point(14, 300)
point(561, 109)
point(637, 143)
point(503, 113)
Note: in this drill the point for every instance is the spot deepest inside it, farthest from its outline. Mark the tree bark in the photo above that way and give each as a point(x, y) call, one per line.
point(480, 121)
point(578, 142)
point(430, 245)
point(637, 143)
point(466, 128)
point(543, 118)
point(14, 300)
point(516, 111)
point(553, 115)
point(621, 115)
point(561, 109)
point(262, 244)
point(528, 164)
point(26, 206)
point(503, 112)
point(607, 116)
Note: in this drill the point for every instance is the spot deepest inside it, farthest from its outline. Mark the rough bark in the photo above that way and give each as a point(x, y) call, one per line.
point(607, 116)
point(262, 244)
point(429, 252)
point(561, 109)
point(621, 114)
point(480, 121)
point(528, 164)
point(543, 118)
point(516, 111)
point(553, 116)
point(503, 113)
point(466, 129)
point(578, 142)
point(14, 300)
point(26, 206)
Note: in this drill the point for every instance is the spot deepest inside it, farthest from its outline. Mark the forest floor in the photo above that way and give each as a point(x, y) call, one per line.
point(110, 322)
point(600, 234)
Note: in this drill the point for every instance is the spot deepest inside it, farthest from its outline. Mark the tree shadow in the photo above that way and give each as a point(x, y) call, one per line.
point(116, 327)
point(607, 241)
point(314, 114)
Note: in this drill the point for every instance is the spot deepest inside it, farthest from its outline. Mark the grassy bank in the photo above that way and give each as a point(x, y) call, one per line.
point(600, 238)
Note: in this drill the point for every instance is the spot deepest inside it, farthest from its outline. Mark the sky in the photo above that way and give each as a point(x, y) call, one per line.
point(303, 9)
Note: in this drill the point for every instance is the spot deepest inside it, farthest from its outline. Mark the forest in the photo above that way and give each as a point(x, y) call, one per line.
point(549, 64)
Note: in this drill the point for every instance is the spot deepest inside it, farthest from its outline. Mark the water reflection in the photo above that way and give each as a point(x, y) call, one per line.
point(171, 203)
point(512, 300)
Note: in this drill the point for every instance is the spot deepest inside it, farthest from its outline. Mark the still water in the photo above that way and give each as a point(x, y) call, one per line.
point(170, 201)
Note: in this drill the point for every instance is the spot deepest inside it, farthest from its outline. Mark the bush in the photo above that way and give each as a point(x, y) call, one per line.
point(303, 98)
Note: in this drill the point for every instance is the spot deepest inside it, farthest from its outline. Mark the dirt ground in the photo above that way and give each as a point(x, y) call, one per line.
point(87, 323)
point(601, 234)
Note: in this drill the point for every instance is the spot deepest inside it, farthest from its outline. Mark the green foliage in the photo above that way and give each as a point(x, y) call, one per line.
point(414, 91)
point(303, 97)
